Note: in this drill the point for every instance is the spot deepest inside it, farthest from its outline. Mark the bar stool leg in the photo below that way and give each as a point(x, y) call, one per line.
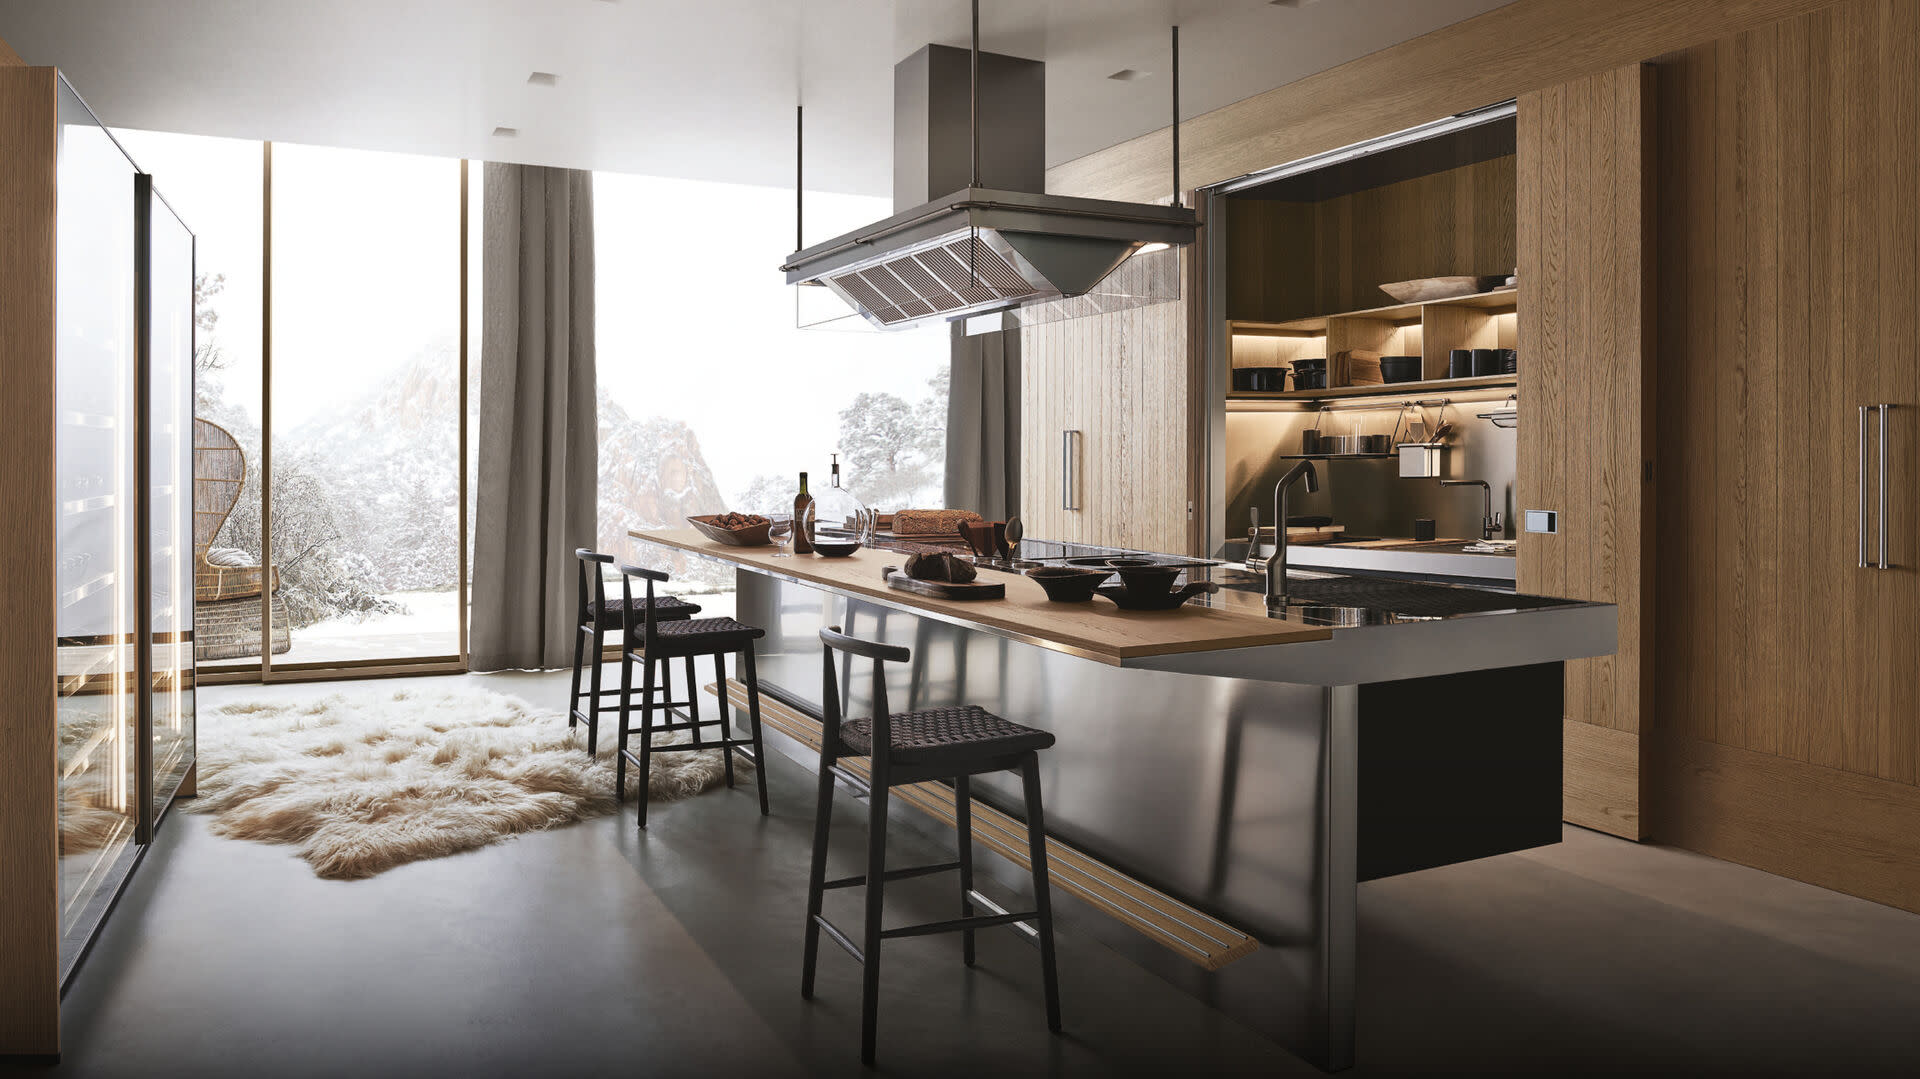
point(726, 717)
point(693, 703)
point(1042, 900)
point(626, 725)
point(963, 825)
point(870, 942)
point(593, 702)
point(573, 698)
point(817, 875)
point(646, 740)
point(753, 726)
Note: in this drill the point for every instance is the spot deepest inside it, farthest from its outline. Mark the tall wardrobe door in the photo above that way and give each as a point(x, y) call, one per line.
point(1789, 686)
point(169, 285)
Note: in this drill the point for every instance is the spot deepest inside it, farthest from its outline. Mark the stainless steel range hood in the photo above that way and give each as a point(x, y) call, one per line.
point(995, 242)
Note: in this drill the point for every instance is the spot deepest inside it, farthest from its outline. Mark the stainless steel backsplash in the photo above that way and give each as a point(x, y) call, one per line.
point(1368, 496)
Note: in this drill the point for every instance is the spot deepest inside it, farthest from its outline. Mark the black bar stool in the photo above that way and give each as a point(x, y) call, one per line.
point(594, 617)
point(913, 747)
point(650, 639)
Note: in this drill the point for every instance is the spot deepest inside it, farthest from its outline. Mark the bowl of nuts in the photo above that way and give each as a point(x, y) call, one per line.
point(734, 529)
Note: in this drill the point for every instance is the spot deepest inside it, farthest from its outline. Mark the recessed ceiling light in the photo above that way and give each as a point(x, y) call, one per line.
point(1291, 3)
point(1127, 74)
point(543, 78)
point(506, 132)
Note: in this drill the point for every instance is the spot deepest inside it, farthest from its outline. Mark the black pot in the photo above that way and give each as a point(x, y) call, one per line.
point(1260, 379)
point(1309, 380)
point(1460, 363)
point(1399, 368)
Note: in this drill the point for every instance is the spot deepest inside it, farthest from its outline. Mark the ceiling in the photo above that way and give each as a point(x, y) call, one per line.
point(700, 90)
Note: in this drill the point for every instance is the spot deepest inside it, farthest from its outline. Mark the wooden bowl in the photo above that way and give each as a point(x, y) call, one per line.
point(1429, 289)
point(751, 536)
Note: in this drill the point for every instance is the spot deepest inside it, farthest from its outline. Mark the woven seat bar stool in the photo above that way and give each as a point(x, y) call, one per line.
point(914, 747)
point(594, 617)
point(651, 641)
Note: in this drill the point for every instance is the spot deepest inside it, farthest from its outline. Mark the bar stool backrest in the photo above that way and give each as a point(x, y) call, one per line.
point(881, 655)
point(647, 622)
point(593, 587)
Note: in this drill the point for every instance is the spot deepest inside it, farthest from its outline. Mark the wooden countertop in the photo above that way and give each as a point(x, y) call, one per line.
point(1097, 630)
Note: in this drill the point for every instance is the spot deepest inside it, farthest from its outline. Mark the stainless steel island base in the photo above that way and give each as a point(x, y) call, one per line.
point(1261, 803)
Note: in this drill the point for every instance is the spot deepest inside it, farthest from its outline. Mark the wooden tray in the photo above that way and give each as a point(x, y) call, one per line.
point(944, 589)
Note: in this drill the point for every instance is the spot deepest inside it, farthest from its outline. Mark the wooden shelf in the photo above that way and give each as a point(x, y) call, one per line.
point(1391, 389)
point(1315, 325)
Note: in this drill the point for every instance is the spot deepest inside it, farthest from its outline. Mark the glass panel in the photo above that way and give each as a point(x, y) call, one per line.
point(94, 464)
point(366, 450)
point(216, 185)
point(675, 437)
point(170, 498)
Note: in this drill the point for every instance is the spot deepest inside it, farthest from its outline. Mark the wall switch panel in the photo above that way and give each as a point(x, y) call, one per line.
point(1543, 520)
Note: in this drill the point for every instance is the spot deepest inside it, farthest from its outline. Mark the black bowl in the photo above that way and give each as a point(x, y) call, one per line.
point(1067, 585)
point(1148, 582)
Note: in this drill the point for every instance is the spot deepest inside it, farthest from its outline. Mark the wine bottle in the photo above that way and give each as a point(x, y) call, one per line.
point(802, 528)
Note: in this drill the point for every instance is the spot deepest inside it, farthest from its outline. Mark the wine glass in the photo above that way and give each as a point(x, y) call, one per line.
point(780, 532)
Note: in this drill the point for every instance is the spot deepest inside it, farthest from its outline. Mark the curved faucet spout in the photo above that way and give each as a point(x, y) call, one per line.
point(1277, 564)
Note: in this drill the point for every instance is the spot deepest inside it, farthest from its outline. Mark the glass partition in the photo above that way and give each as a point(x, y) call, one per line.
point(169, 277)
point(94, 403)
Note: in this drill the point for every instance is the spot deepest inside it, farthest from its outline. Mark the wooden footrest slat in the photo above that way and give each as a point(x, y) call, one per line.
point(1200, 938)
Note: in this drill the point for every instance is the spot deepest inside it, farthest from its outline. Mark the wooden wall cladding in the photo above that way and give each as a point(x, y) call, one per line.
point(29, 885)
point(1288, 260)
point(1586, 340)
point(1522, 46)
point(1121, 380)
point(1790, 234)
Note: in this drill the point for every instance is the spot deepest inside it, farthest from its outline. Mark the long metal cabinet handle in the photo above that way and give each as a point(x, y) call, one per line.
point(1070, 471)
point(1863, 486)
point(1884, 409)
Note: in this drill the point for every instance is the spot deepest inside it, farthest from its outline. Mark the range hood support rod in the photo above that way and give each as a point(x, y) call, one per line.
point(973, 102)
point(1176, 115)
point(799, 187)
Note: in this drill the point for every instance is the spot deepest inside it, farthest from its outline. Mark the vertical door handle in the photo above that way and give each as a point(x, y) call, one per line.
point(1884, 409)
point(1862, 532)
point(1070, 470)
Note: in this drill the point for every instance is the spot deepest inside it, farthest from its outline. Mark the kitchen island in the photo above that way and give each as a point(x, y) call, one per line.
point(1238, 773)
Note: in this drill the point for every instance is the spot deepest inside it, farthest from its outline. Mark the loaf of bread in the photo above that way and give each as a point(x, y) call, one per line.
point(930, 522)
point(940, 567)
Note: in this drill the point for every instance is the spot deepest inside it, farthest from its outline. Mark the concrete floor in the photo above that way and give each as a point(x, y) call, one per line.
point(596, 948)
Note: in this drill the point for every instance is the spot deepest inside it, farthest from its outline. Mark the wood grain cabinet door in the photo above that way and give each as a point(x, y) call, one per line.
point(1584, 227)
point(1788, 693)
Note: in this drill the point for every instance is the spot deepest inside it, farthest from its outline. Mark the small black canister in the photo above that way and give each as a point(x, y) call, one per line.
point(1460, 363)
point(1486, 361)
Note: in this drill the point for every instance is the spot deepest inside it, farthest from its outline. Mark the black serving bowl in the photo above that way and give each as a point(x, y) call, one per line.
point(1067, 584)
point(1148, 582)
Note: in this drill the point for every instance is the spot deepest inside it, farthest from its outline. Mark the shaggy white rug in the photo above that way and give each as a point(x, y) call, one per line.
point(365, 784)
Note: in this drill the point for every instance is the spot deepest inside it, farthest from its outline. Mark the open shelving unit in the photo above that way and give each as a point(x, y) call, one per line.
point(1429, 330)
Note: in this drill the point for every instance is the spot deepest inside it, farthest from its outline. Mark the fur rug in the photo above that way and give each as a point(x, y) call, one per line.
point(363, 785)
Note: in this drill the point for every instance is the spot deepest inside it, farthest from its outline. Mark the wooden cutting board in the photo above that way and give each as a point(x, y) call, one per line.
point(1309, 536)
point(944, 589)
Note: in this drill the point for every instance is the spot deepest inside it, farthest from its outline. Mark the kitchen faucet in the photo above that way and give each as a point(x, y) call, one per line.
point(1489, 520)
point(1277, 564)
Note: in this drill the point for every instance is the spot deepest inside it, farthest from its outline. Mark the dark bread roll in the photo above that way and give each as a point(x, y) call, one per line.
point(940, 567)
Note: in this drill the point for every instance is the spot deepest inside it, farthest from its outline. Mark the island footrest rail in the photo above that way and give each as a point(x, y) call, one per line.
point(1200, 938)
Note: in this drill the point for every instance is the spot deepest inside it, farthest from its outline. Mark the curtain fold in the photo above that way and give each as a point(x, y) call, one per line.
point(983, 422)
point(537, 476)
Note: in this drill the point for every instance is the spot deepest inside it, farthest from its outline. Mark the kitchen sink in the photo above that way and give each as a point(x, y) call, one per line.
point(1408, 597)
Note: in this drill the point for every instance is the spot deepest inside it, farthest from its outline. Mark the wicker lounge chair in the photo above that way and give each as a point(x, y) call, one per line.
point(226, 622)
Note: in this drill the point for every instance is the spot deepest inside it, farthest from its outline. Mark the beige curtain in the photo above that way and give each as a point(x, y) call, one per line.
point(983, 422)
point(539, 426)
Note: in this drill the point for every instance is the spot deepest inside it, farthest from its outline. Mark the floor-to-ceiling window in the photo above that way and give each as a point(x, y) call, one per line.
point(711, 399)
point(328, 308)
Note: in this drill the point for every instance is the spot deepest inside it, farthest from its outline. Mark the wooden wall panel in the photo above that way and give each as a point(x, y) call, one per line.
point(1524, 46)
point(1586, 219)
point(1122, 380)
point(29, 885)
point(1790, 206)
point(1289, 260)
